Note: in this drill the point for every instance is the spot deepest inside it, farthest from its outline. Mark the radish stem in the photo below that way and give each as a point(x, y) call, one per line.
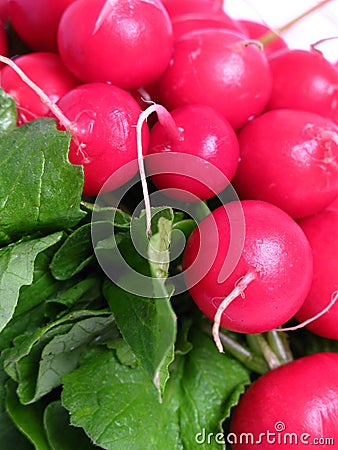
point(271, 35)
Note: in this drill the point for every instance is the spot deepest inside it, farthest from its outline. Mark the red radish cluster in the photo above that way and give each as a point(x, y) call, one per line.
point(234, 104)
point(237, 103)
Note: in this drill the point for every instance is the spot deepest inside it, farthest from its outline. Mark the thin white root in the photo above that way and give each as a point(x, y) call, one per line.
point(166, 120)
point(334, 298)
point(64, 121)
point(238, 291)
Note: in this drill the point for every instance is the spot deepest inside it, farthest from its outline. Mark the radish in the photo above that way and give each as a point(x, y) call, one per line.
point(208, 138)
point(304, 80)
point(271, 279)
point(322, 233)
point(139, 34)
point(185, 23)
point(255, 30)
point(179, 7)
point(104, 119)
point(47, 71)
point(219, 69)
point(3, 12)
point(293, 406)
point(36, 22)
point(3, 41)
point(289, 158)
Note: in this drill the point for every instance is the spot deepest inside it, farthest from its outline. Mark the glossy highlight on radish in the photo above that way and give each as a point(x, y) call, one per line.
point(140, 40)
point(276, 253)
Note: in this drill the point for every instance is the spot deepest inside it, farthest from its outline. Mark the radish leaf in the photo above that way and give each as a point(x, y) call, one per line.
point(40, 191)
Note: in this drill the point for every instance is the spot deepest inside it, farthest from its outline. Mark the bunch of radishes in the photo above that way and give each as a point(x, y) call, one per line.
point(247, 109)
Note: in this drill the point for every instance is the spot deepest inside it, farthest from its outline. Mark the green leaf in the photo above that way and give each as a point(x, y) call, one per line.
point(61, 435)
point(37, 362)
point(74, 254)
point(158, 249)
point(40, 191)
point(148, 326)
point(118, 218)
point(16, 270)
point(118, 406)
point(8, 112)
point(211, 383)
point(10, 437)
point(123, 352)
point(29, 419)
point(29, 313)
point(75, 295)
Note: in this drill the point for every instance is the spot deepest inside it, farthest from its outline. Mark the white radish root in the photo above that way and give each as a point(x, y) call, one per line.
point(167, 121)
point(334, 299)
point(64, 121)
point(238, 291)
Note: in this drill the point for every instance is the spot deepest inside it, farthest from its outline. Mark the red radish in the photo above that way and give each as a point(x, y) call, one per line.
point(219, 69)
point(333, 206)
point(203, 134)
point(322, 233)
point(48, 72)
point(197, 21)
point(255, 30)
point(3, 11)
point(3, 41)
point(179, 7)
point(271, 279)
point(105, 119)
point(289, 158)
point(304, 80)
point(139, 34)
point(36, 22)
point(293, 406)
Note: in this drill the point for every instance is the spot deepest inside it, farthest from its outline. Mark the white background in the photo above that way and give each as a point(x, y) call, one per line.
point(323, 23)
